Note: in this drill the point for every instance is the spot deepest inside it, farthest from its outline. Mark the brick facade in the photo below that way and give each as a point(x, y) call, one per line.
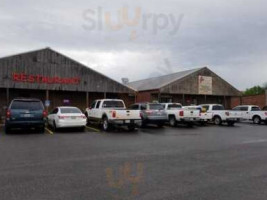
point(259, 100)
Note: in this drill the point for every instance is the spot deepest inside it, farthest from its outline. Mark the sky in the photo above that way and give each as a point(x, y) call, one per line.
point(142, 39)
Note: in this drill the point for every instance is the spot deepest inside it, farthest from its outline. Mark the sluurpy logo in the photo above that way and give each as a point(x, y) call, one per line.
point(99, 19)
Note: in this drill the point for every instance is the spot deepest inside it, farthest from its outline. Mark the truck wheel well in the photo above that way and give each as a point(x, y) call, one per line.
point(256, 116)
point(171, 116)
point(104, 116)
point(216, 116)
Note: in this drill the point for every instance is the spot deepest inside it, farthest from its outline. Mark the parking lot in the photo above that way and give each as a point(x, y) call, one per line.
point(210, 162)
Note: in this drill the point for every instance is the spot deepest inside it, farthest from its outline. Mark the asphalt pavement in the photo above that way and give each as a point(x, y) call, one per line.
point(211, 162)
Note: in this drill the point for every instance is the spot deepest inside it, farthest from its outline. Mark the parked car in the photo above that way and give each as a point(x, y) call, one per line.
point(179, 115)
point(25, 114)
point(204, 116)
point(220, 115)
point(111, 113)
point(66, 117)
point(252, 113)
point(151, 113)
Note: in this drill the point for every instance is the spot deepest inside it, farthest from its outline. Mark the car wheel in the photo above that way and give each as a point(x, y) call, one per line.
point(231, 123)
point(54, 126)
point(131, 127)
point(7, 130)
point(106, 125)
point(42, 130)
point(172, 121)
point(160, 125)
point(217, 120)
point(256, 120)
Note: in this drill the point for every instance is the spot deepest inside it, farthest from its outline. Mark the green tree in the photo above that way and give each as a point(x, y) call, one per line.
point(255, 90)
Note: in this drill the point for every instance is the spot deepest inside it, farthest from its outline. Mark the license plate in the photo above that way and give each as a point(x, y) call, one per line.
point(26, 115)
point(127, 121)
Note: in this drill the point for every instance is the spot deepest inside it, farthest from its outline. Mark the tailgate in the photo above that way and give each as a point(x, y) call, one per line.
point(128, 114)
point(191, 113)
point(26, 115)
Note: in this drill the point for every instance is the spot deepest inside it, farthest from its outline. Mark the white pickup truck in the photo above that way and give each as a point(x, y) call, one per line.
point(112, 112)
point(205, 117)
point(252, 113)
point(220, 115)
point(178, 115)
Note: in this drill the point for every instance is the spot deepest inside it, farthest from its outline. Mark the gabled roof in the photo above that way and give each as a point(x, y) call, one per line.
point(158, 82)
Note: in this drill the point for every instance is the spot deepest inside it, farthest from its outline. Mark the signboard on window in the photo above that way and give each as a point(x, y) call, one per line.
point(205, 85)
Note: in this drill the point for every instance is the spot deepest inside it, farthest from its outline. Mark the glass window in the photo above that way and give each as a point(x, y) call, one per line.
point(134, 107)
point(255, 108)
point(174, 106)
point(98, 104)
point(93, 104)
point(113, 104)
point(27, 105)
point(217, 107)
point(244, 108)
point(143, 107)
point(156, 106)
point(237, 108)
point(70, 110)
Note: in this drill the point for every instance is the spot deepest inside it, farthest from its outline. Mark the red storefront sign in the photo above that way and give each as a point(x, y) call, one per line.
point(21, 77)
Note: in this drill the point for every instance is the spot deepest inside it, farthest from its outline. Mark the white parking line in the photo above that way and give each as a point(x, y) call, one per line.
point(254, 141)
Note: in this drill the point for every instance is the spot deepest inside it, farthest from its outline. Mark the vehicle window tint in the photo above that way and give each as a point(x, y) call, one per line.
point(27, 105)
point(98, 104)
point(55, 111)
point(237, 108)
point(244, 108)
point(217, 107)
point(156, 107)
point(206, 108)
point(93, 104)
point(70, 111)
point(174, 106)
point(134, 107)
point(143, 107)
point(113, 104)
point(255, 108)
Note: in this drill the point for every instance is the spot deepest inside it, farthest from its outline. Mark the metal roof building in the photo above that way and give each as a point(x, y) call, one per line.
point(193, 86)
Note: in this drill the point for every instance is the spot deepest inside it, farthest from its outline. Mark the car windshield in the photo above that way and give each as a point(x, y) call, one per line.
point(113, 104)
point(26, 105)
point(156, 107)
point(70, 110)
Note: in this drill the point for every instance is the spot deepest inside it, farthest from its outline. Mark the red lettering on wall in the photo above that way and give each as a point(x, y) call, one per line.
point(21, 77)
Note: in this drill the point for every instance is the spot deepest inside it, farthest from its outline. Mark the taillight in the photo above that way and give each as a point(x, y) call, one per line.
point(44, 114)
point(61, 117)
point(114, 114)
point(83, 116)
point(8, 114)
point(265, 113)
point(181, 113)
point(148, 112)
point(227, 113)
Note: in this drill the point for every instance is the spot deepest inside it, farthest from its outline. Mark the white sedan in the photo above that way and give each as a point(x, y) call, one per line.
point(66, 117)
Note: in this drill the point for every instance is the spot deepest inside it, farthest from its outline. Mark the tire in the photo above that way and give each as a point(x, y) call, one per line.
point(42, 130)
point(217, 120)
point(143, 124)
point(82, 129)
point(256, 120)
point(7, 130)
point(160, 125)
point(172, 121)
point(105, 124)
point(54, 126)
point(231, 123)
point(131, 128)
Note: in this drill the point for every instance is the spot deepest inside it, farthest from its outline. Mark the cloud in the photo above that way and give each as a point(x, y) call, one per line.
point(229, 37)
